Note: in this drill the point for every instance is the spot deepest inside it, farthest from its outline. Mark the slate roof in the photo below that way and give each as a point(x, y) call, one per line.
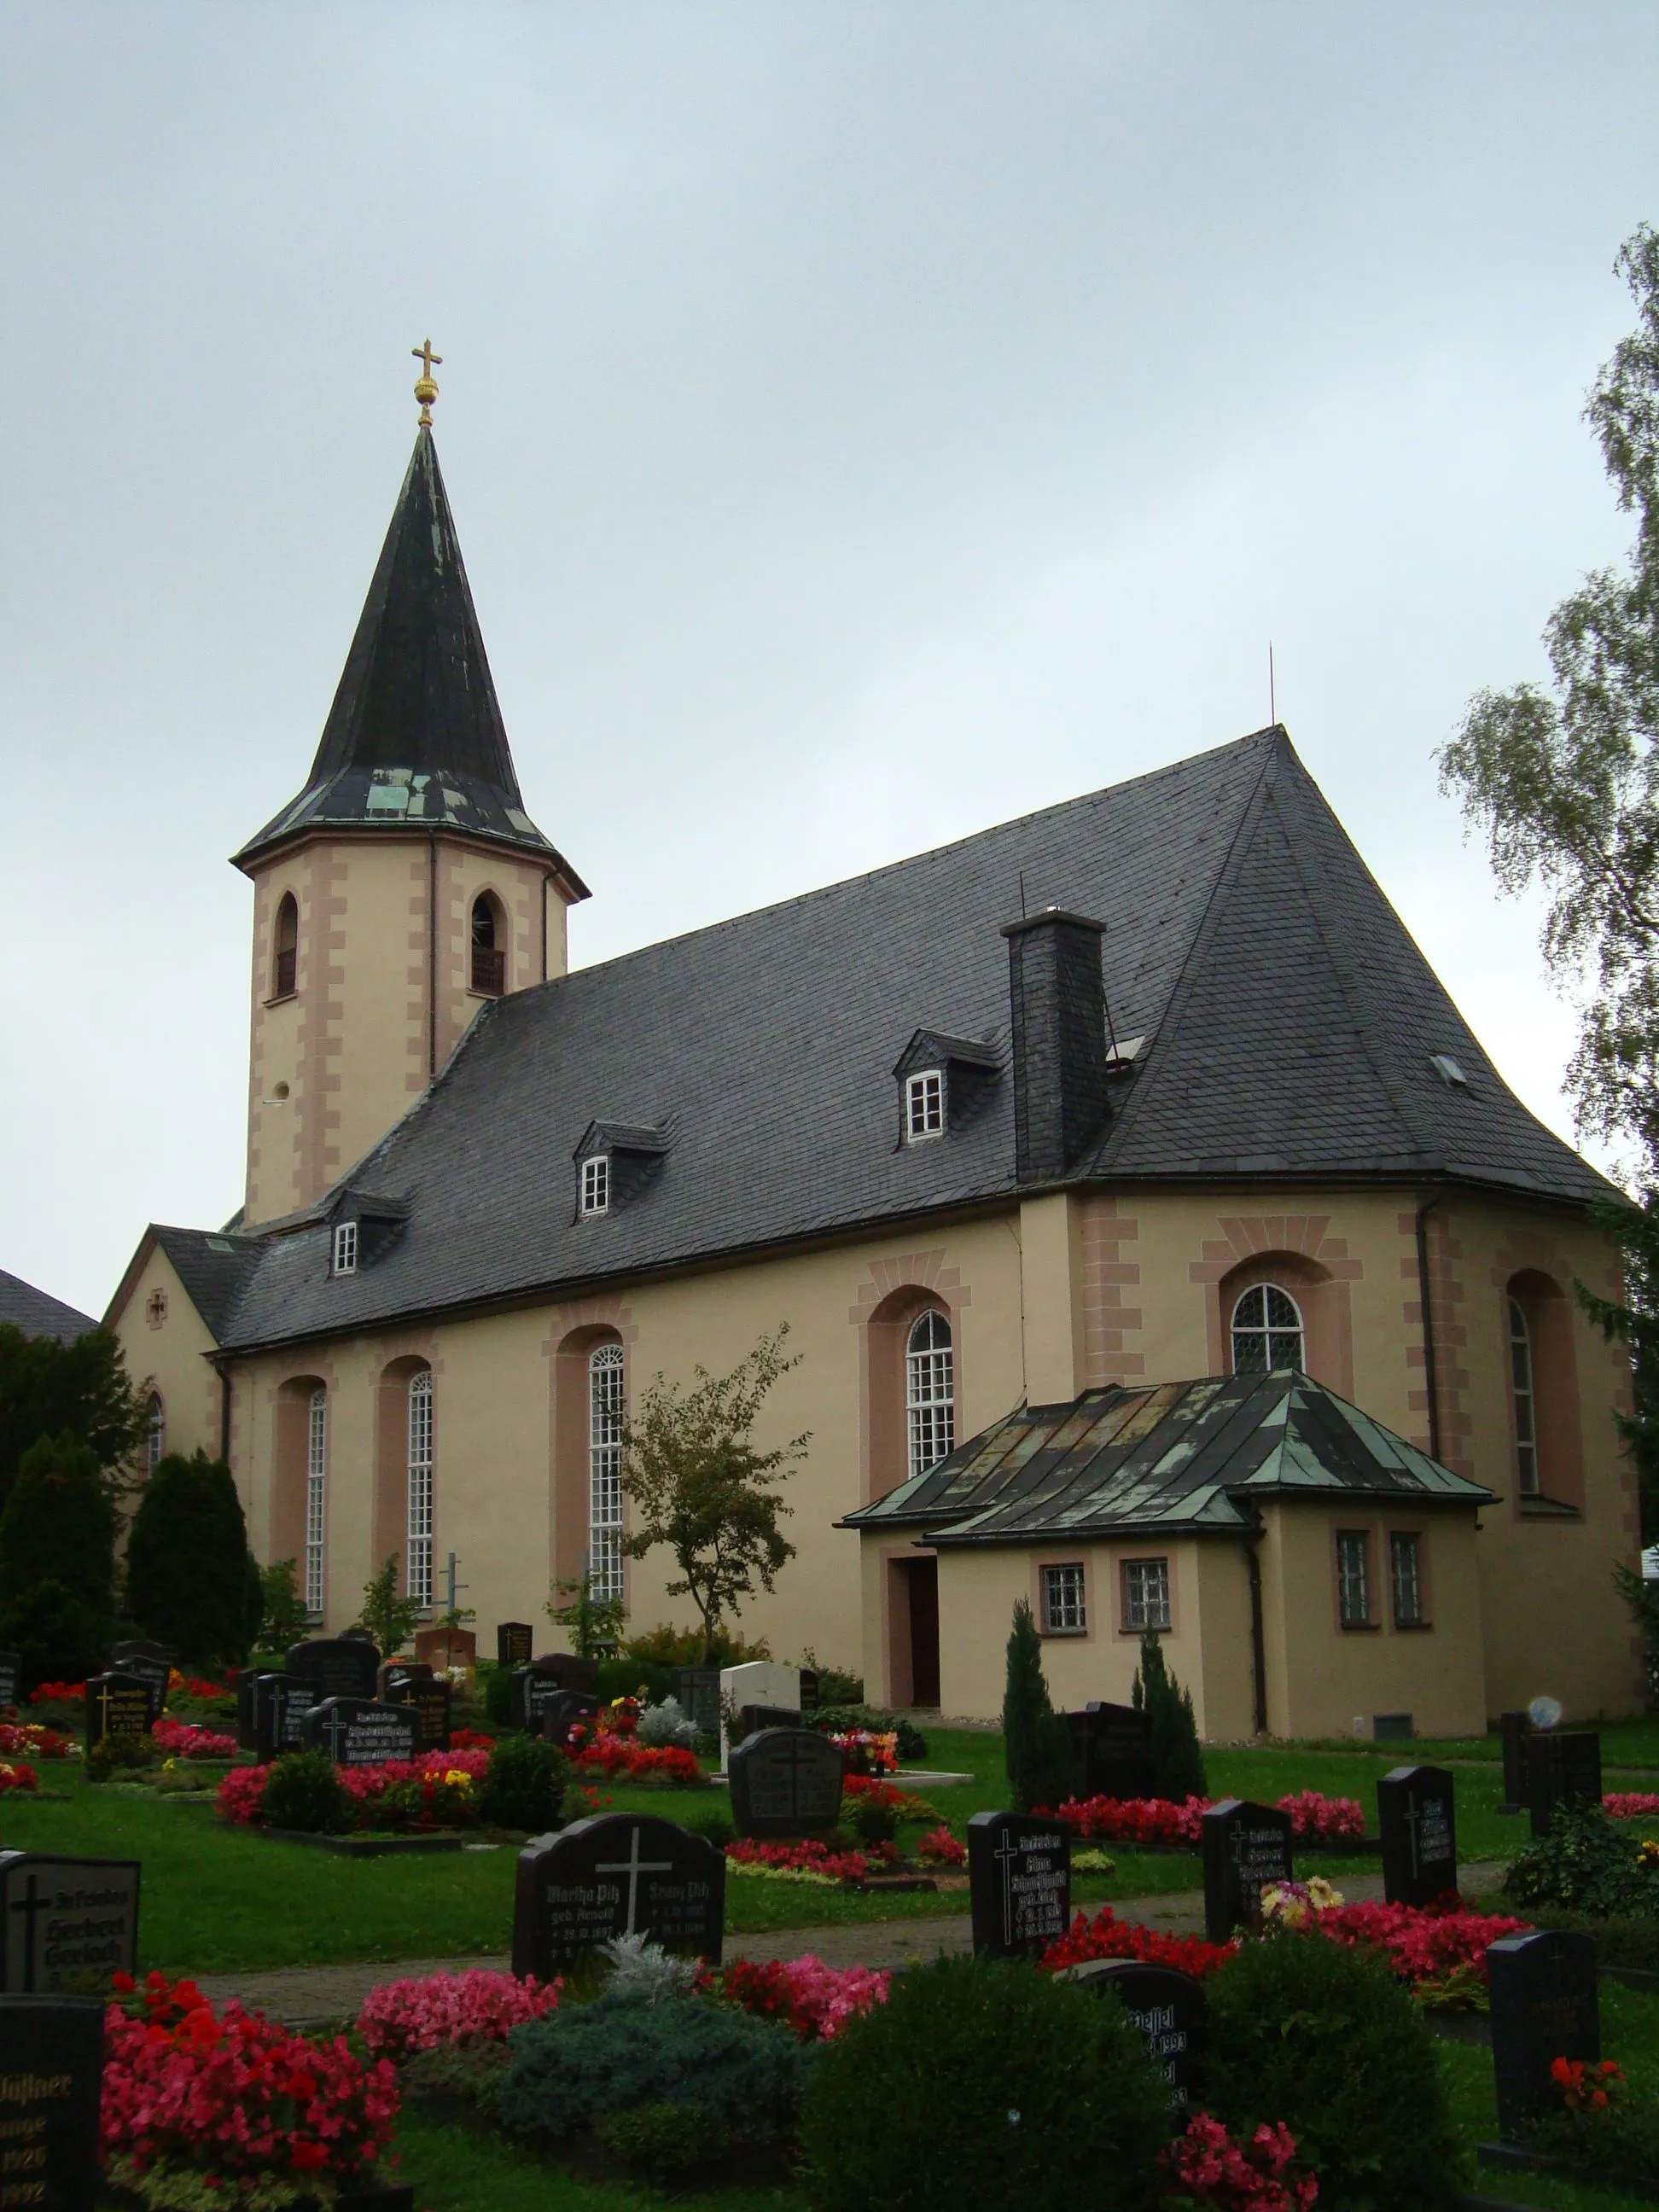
point(212, 1268)
point(1288, 1021)
point(415, 736)
point(1170, 1458)
point(39, 1314)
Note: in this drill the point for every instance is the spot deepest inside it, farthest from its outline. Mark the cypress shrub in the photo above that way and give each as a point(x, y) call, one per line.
point(187, 1562)
point(57, 1562)
point(978, 2086)
point(1177, 1760)
point(1043, 1769)
point(303, 1791)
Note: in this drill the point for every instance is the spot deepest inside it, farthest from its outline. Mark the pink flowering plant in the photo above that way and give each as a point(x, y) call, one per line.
point(1630, 1805)
point(938, 1847)
point(814, 2000)
point(1206, 2167)
point(451, 2011)
point(1440, 1950)
point(1318, 1819)
point(188, 1739)
point(437, 1790)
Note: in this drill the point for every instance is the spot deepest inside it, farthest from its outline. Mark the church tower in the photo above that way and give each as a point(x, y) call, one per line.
point(405, 884)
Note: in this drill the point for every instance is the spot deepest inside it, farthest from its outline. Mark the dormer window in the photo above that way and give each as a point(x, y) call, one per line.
point(345, 1248)
point(596, 1185)
point(924, 1105)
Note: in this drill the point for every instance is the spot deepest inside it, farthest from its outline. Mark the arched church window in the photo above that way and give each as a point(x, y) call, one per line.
point(417, 1558)
point(604, 1500)
point(156, 1436)
point(316, 1478)
point(930, 1401)
point(1266, 1332)
point(284, 972)
point(1522, 1389)
point(489, 947)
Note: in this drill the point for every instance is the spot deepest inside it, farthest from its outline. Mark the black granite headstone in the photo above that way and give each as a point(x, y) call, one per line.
point(1113, 1744)
point(1560, 1768)
point(1418, 1824)
point(11, 1679)
point(66, 1925)
point(785, 1782)
point(340, 1666)
point(245, 1678)
point(565, 1710)
point(696, 1690)
point(618, 1874)
point(751, 1719)
point(1168, 2007)
point(1019, 1883)
point(1247, 1848)
point(1544, 2006)
point(118, 1709)
point(395, 1671)
point(429, 1700)
point(809, 1690)
point(514, 1642)
point(358, 1732)
point(1515, 1728)
point(571, 1670)
point(281, 1703)
point(535, 1686)
point(52, 2078)
point(153, 1663)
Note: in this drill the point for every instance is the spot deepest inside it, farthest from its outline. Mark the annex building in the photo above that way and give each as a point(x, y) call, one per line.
point(1164, 1249)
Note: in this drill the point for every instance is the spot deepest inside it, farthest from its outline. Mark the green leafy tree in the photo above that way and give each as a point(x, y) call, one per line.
point(187, 1561)
point(282, 1617)
point(389, 1616)
point(79, 1389)
point(1043, 1768)
point(57, 1562)
point(702, 1489)
point(595, 1622)
point(1177, 1759)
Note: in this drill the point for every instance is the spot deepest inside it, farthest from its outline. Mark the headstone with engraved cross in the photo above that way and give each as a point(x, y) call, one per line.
point(118, 1710)
point(66, 1924)
point(785, 1782)
point(1247, 1848)
point(357, 1732)
point(428, 1697)
point(281, 1703)
point(1544, 2006)
point(1019, 1883)
point(618, 1874)
point(1417, 1822)
point(52, 2077)
point(514, 1642)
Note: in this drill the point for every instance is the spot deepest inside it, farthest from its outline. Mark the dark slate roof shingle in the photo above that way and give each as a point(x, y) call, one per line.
point(37, 1313)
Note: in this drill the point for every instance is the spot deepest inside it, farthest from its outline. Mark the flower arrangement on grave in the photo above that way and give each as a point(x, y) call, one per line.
point(938, 1847)
point(14, 1775)
point(867, 1751)
point(440, 2010)
point(1207, 2167)
point(1106, 1936)
point(233, 2102)
point(809, 1860)
point(440, 1790)
point(1630, 1805)
point(904, 1804)
point(1598, 2122)
point(1289, 1904)
point(602, 1753)
point(31, 1739)
point(814, 2000)
point(1438, 1950)
point(188, 1739)
point(58, 1693)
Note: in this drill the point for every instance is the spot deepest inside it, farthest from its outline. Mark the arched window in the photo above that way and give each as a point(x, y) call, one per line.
point(284, 970)
point(604, 1503)
point(1266, 1332)
point(1523, 1394)
point(155, 1438)
point(930, 1399)
point(489, 947)
point(417, 1556)
point(316, 1478)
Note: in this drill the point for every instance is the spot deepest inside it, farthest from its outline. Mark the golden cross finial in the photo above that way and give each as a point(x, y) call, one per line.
point(425, 389)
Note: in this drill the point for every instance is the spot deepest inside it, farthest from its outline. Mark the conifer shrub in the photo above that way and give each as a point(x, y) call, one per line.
point(1324, 2038)
point(499, 1699)
point(665, 2143)
point(187, 1562)
point(525, 1785)
point(57, 1634)
point(1043, 1768)
point(57, 1562)
point(303, 1791)
point(1177, 1759)
point(874, 1822)
point(977, 2086)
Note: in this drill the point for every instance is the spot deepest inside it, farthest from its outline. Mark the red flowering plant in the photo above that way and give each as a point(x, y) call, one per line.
point(867, 1751)
point(186, 1739)
point(451, 2011)
point(14, 1775)
point(1207, 2167)
point(814, 2000)
point(58, 1693)
point(1630, 1805)
point(1130, 1820)
point(938, 1847)
point(32, 1740)
point(1318, 1819)
point(603, 1752)
point(1106, 1936)
point(467, 1739)
point(258, 2113)
point(437, 1790)
point(810, 1860)
point(1439, 1950)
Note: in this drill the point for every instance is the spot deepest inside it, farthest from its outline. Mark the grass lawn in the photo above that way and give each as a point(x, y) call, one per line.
point(1631, 1744)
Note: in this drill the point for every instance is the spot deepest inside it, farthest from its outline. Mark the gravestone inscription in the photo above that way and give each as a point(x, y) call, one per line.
point(358, 1732)
point(394, 1671)
point(1246, 1848)
point(514, 1642)
point(281, 1703)
point(618, 1874)
point(52, 2078)
point(534, 1688)
point(1019, 1883)
point(118, 1710)
point(785, 1782)
point(697, 1690)
point(340, 1666)
point(1418, 1824)
point(11, 1678)
point(1560, 1768)
point(153, 1663)
point(1514, 1728)
point(430, 1701)
point(1544, 2006)
point(66, 1924)
point(1168, 2007)
point(1113, 1748)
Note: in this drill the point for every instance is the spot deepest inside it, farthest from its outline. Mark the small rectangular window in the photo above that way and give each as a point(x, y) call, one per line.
point(924, 1105)
point(1146, 1594)
point(1353, 1578)
point(345, 1248)
point(1406, 1574)
point(1063, 1613)
point(595, 1184)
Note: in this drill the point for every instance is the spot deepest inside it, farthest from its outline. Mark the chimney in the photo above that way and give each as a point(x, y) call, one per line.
point(1061, 1098)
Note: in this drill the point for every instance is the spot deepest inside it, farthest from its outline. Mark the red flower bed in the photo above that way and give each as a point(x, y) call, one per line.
point(938, 1847)
point(1426, 1945)
point(465, 1739)
point(1630, 1805)
point(58, 1693)
point(1160, 1821)
point(234, 2096)
point(442, 1802)
point(815, 2000)
point(1208, 2168)
point(14, 1775)
point(1317, 1818)
point(610, 1754)
point(31, 1739)
point(184, 1740)
point(1106, 1936)
point(811, 1856)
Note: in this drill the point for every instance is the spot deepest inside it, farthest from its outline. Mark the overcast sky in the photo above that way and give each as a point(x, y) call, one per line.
point(863, 422)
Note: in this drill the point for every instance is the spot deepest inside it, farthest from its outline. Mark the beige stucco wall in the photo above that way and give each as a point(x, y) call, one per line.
point(169, 1355)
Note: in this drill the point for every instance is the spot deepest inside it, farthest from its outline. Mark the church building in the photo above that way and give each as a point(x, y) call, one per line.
point(1160, 1243)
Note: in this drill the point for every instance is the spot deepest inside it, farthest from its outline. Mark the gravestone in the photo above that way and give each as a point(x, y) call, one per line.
point(340, 1666)
point(1168, 2007)
point(751, 1719)
point(1418, 1824)
point(809, 1689)
point(761, 1682)
point(785, 1782)
point(1247, 1848)
point(565, 1710)
point(697, 1690)
point(118, 1708)
point(617, 1874)
point(281, 1703)
point(1114, 1749)
point(11, 1678)
point(394, 1671)
point(1544, 2006)
point(1019, 1883)
point(444, 1648)
point(66, 1925)
point(572, 1670)
point(430, 1698)
point(358, 1732)
point(244, 1679)
point(536, 1685)
point(153, 1663)
point(1515, 1727)
point(514, 1642)
point(52, 2078)
point(1560, 1768)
